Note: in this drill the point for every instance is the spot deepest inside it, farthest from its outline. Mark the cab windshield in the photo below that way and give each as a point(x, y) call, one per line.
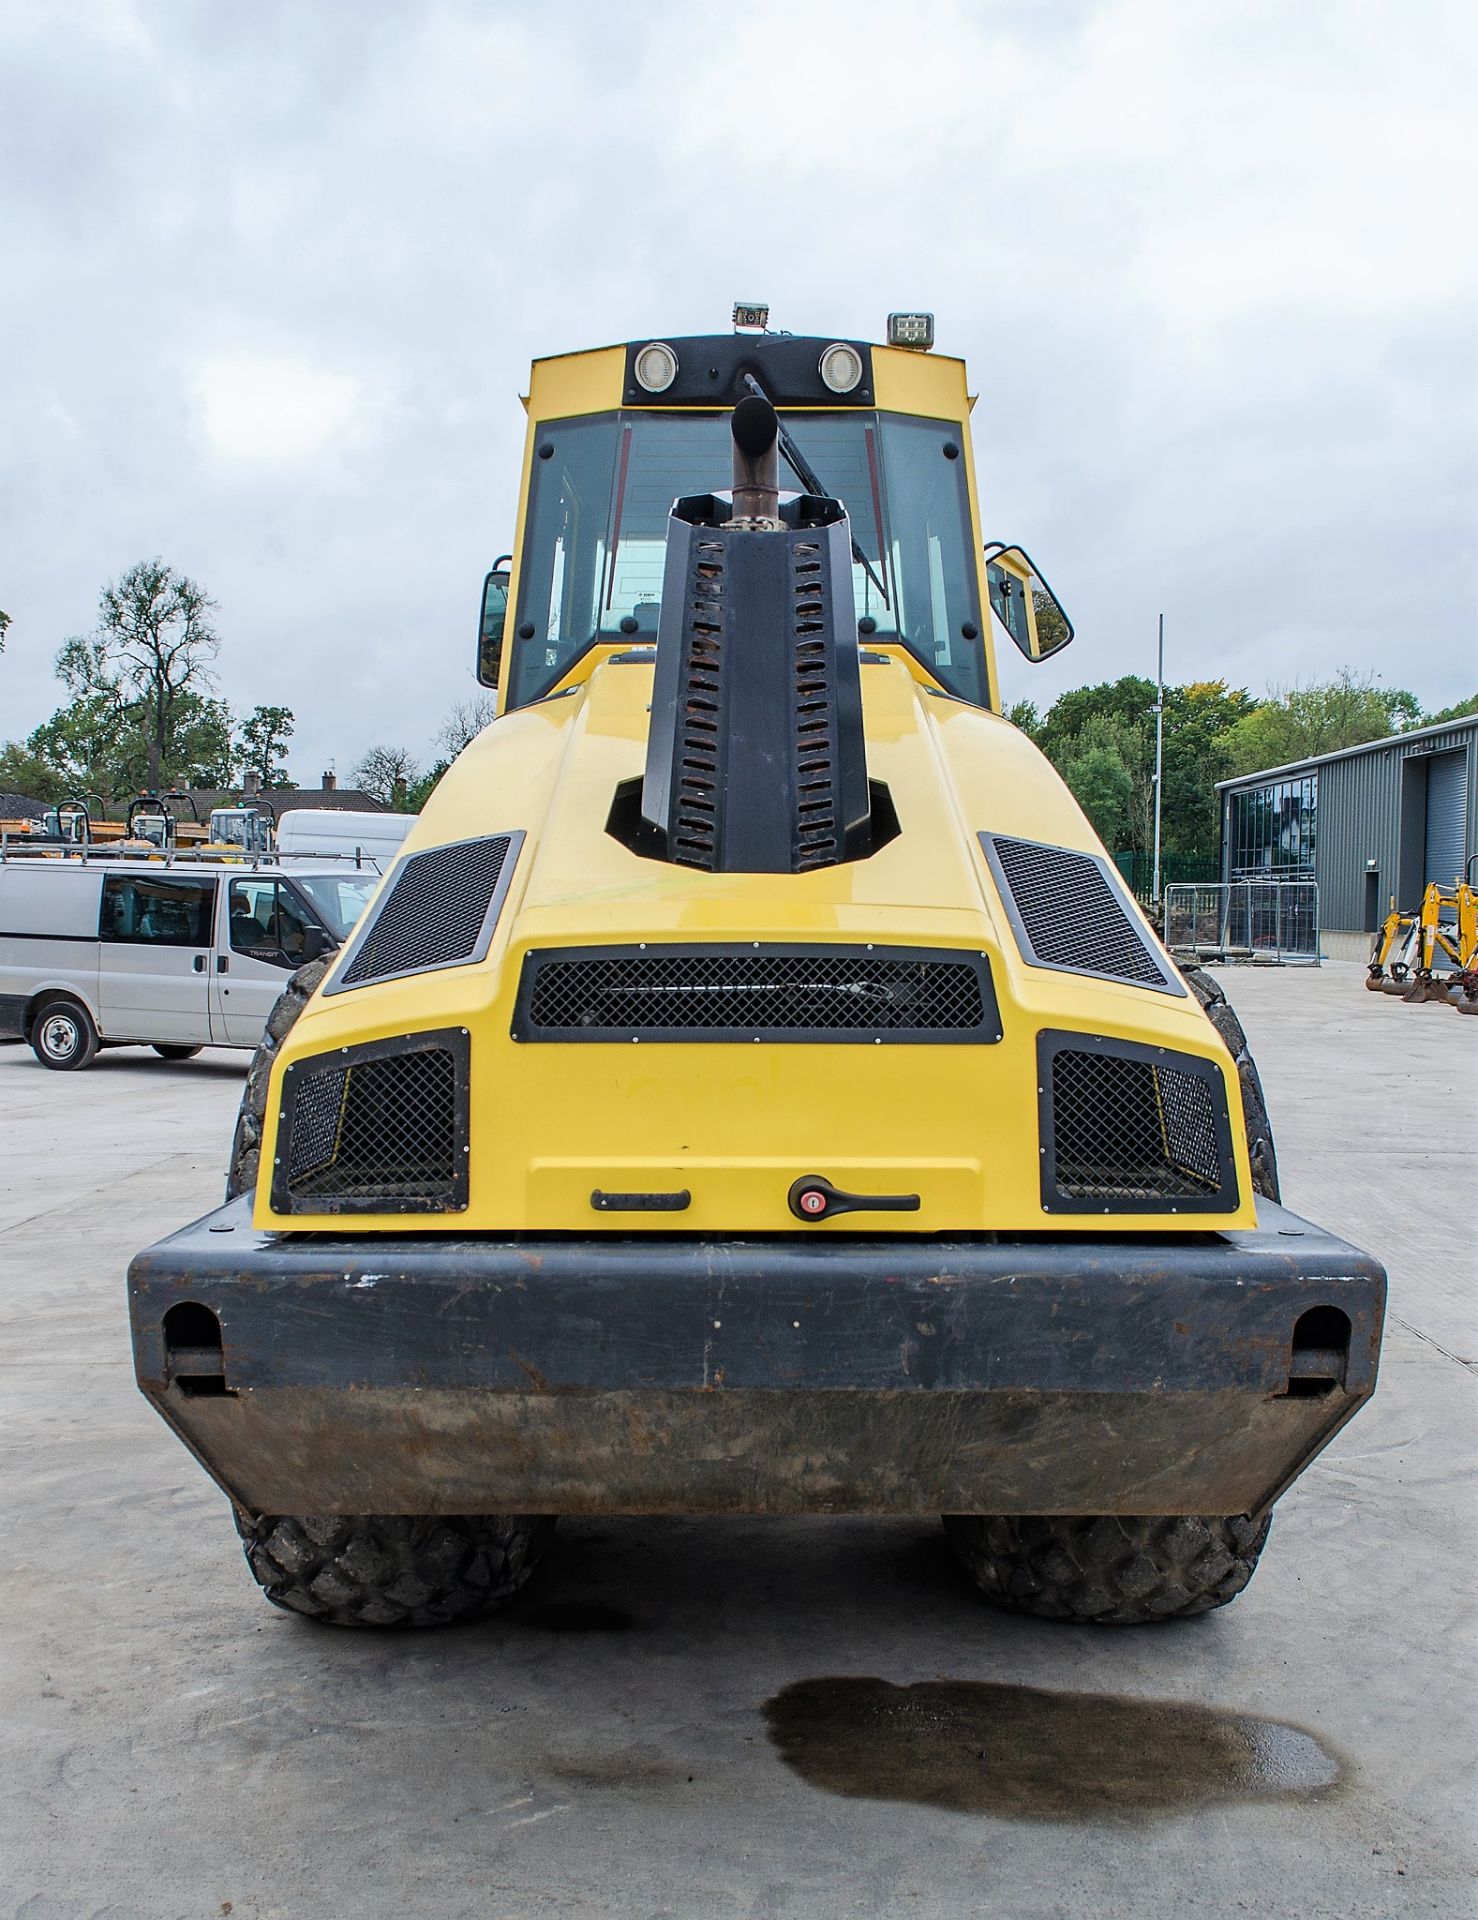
point(603, 485)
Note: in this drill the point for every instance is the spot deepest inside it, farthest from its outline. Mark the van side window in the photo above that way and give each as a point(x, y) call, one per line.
point(268, 921)
point(168, 912)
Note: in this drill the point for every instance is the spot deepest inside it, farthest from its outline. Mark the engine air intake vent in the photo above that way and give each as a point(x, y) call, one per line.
point(1132, 1129)
point(781, 993)
point(438, 911)
point(1068, 911)
point(380, 1128)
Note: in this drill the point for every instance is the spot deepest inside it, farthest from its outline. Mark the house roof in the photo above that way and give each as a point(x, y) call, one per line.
point(282, 799)
point(15, 806)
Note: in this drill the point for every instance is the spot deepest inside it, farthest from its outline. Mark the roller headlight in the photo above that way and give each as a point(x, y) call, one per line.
point(841, 367)
point(656, 366)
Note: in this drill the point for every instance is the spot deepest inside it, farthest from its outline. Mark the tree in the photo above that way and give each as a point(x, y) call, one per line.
point(387, 774)
point(1199, 720)
point(100, 743)
point(150, 655)
point(1109, 769)
point(4, 628)
point(1296, 723)
point(262, 741)
point(1102, 740)
point(463, 724)
point(1460, 711)
point(24, 772)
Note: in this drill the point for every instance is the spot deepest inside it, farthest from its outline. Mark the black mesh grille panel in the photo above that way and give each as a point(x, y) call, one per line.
point(1130, 1128)
point(381, 1128)
point(1067, 913)
point(440, 911)
point(740, 993)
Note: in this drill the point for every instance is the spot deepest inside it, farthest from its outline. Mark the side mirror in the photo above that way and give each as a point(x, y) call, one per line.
point(316, 943)
point(491, 622)
point(1024, 604)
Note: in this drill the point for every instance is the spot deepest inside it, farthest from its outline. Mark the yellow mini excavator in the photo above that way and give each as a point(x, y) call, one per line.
point(752, 1089)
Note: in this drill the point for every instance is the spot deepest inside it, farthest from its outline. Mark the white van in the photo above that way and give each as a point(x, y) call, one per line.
point(367, 837)
point(171, 956)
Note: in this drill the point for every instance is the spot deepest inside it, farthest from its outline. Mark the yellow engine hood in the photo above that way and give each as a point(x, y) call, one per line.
point(735, 1124)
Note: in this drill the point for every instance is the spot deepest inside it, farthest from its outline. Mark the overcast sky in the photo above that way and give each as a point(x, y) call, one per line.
point(272, 277)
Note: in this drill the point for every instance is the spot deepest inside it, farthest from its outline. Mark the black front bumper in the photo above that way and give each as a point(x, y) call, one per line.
point(1197, 1373)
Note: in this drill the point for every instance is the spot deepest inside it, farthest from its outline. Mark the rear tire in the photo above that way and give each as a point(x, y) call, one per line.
point(62, 1035)
point(246, 1144)
point(392, 1570)
point(169, 1051)
point(1108, 1570)
point(1128, 1571)
point(1260, 1148)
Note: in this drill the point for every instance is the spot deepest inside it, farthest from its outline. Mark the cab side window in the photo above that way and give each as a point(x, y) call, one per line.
point(173, 912)
point(267, 922)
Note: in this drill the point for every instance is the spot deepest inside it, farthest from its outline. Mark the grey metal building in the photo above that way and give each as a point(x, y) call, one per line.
point(1368, 823)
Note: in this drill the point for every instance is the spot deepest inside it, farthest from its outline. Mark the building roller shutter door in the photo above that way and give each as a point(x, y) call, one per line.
point(1446, 807)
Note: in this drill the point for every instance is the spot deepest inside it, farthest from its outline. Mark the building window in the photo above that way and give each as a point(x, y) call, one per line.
point(1270, 830)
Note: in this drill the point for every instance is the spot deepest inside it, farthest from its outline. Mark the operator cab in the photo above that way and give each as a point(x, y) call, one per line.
point(616, 435)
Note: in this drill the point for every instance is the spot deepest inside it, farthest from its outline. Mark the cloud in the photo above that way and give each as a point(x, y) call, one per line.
point(260, 408)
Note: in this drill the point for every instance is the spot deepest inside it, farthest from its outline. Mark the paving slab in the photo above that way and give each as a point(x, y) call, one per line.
point(754, 1718)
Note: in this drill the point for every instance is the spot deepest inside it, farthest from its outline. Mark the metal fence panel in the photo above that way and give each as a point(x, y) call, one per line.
point(1267, 920)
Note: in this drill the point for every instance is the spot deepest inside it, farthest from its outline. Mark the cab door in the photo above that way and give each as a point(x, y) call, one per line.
point(261, 942)
point(155, 931)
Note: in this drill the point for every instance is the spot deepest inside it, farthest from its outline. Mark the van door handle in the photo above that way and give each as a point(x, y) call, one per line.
point(223, 963)
point(200, 963)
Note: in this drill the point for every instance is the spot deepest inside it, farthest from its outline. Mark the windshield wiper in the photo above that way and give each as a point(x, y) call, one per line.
point(801, 467)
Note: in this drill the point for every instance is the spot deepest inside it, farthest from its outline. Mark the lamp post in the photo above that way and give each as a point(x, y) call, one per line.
point(1159, 756)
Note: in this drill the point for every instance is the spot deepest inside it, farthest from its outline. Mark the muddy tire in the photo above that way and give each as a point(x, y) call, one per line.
point(62, 1035)
point(1108, 1570)
point(378, 1570)
point(246, 1144)
point(168, 1051)
point(1259, 1130)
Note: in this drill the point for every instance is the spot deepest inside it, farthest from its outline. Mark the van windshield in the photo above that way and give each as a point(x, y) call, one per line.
point(603, 486)
point(339, 897)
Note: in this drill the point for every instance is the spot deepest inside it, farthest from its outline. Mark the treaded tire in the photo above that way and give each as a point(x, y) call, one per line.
point(1260, 1148)
point(246, 1143)
point(395, 1570)
point(1105, 1569)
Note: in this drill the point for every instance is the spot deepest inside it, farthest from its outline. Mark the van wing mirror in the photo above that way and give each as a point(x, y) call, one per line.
point(491, 622)
point(316, 943)
point(1024, 604)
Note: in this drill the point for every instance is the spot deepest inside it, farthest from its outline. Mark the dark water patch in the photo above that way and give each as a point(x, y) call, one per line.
point(576, 1616)
point(1028, 1754)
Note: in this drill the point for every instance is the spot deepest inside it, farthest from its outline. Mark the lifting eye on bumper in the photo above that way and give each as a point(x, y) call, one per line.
point(813, 1197)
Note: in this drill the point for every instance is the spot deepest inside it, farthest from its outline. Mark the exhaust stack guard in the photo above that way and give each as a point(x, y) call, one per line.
point(755, 758)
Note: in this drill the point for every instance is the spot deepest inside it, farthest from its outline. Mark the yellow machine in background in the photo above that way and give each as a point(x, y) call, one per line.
point(1430, 955)
point(752, 1088)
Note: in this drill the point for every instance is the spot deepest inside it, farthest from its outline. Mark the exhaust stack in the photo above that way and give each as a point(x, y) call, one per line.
point(755, 757)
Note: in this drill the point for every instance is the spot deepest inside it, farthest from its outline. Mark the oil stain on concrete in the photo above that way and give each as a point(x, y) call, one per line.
point(1029, 1754)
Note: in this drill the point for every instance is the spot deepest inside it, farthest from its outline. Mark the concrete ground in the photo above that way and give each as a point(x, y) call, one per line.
point(723, 1719)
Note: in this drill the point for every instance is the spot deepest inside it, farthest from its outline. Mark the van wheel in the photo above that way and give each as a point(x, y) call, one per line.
point(246, 1146)
point(62, 1035)
point(169, 1052)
